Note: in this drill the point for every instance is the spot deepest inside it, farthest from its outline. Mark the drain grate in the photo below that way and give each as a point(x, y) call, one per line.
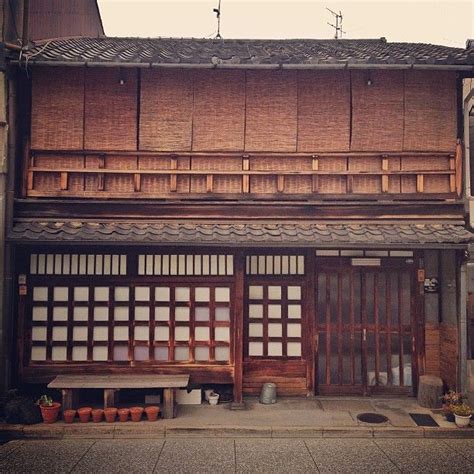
point(423, 420)
point(375, 418)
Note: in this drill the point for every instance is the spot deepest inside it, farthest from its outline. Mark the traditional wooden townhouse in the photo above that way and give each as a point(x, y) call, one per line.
point(242, 211)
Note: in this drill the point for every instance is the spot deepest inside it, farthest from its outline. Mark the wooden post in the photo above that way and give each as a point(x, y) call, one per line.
point(280, 183)
point(238, 403)
point(309, 339)
point(245, 177)
point(420, 183)
point(69, 397)
point(174, 177)
point(315, 178)
point(109, 397)
point(168, 403)
point(384, 176)
point(459, 168)
point(101, 176)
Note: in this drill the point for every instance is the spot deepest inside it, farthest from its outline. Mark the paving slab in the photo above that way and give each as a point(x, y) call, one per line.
point(197, 455)
point(45, 456)
point(121, 456)
point(357, 432)
point(357, 405)
point(424, 455)
point(219, 431)
point(142, 429)
point(273, 455)
point(389, 432)
point(9, 447)
point(462, 446)
point(89, 430)
point(296, 432)
point(355, 455)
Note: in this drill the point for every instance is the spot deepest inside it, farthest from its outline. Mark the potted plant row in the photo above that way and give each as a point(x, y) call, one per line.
point(455, 409)
point(110, 414)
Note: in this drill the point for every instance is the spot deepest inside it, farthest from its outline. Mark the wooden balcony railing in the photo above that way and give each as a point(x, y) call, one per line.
point(143, 174)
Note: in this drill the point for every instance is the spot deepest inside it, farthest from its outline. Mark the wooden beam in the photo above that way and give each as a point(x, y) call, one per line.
point(452, 177)
point(420, 183)
point(174, 177)
point(239, 278)
point(385, 182)
point(246, 177)
point(458, 168)
point(315, 179)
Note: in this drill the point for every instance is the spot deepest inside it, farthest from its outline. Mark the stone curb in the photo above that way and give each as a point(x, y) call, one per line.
point(159, 429)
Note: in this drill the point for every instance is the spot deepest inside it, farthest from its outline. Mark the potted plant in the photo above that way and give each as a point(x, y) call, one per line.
point(110, 414)
point(152, 413)
point(123, 414)
point(136, 413)
point(97, 415)
point(449, 400)
point(49, 409)
point(84, 414)
point(213, 398)
point(69, 415)
point(462, 414)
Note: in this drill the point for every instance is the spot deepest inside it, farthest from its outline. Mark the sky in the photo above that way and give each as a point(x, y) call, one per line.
point(447, 22)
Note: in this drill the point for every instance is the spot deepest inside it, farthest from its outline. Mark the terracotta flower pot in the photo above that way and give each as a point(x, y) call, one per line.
point(152, 413)
point(136, 413)
point(97, 415)
point(110, 414)
point(84, 414)
point(50, 413)
point(123, 414)
point(69, 415)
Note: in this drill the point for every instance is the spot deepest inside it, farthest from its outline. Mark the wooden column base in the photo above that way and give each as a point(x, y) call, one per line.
point(168, 403)
point(70, 398)
point(109, 397)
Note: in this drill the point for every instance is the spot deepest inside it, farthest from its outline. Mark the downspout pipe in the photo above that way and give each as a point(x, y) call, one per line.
point(467, 147)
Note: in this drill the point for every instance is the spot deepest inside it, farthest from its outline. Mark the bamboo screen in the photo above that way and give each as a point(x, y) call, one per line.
point(271, 119)
point(377, 110)
point(110, 109)
point(219, 111)
point(323, 111)
point(57, 109)
point(430, 110)
point(166, 110)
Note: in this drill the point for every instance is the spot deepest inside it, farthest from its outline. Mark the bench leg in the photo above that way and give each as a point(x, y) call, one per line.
point(109, 397)
point(168, 403)
point(70, 398)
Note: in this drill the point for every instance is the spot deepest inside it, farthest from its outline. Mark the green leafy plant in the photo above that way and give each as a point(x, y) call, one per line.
point(45, 401)
point(461, 410)
point(453, 398)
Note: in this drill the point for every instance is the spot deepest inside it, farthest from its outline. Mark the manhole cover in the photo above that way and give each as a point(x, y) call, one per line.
point(372, 418)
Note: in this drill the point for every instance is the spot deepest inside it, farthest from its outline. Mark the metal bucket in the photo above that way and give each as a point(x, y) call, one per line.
point(268, 394)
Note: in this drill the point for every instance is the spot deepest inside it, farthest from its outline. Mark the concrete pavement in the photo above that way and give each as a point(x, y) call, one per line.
point(238, 455)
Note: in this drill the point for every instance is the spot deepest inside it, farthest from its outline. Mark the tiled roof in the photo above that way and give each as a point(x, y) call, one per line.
point(294, 234)
point(247, 52)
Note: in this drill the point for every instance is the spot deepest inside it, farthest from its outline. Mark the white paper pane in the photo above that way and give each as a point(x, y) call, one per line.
point(100, 353)
point(222, 295)
point(59, 333)
point(123, 264)
point(255, 310)
point(274, 292)
point(115, 264)
point(165, 265)
point(255, 330)
point(181, 353)
point(99, 264)
point(40, 293)
point(59, 353)
point(121, 313)
point(255, 348)
point(161, 353)
point(38, 334)
point(142, 293)
point(214, 260)
point(181, 333)
point(142, 333)
point(79, 333)
point(261, 264)
point(222, 354)
point(190, 264)
point(162, 313)
point(173, 264)
point(293, 265)
point(101, 333)
point(79, 353)
point(230, 264)
point(202, 294)
point(82, 264)
point(294, 330)
point(121, 333)
point(269, 265)
point(301, 264)
point(60, 313)
point(182, 265)
point(182, 294)
point(33, 263)
point(162, 294)
point(60, 293)
point(90, 264)
point(162, 333)
point(101, 293)
point(274, 330)
point(122, 293)
point(57, 264)
point(274, 311)
point(38, 353)
point(50, 264)
point(222, 334)
point(201, 333)
point(81, 293)
point(201, 353)
point(275, 349)
point(277, 265)
point(66, 264)
point(149, 264)
point(120, 352)
point(294, 292)
point(40, 313)
point(256, 292)
point(293, 349)
point(41, 264)
point(101, 313)
point(80, 313)
point(285, 264)
point(141, 264)
point(142, 313)
point(181, 313)
point(201, 313)
point(205, 265)
point(74, 264)
point(294, 311)
point(107, 265)
point(221, 264)
point(141, 353)
point(222, 314)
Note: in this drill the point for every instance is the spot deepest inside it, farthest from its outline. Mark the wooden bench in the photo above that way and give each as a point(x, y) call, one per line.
point(111, 384)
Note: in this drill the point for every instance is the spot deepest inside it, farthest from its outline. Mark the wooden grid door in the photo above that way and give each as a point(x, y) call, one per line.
point(365, 322)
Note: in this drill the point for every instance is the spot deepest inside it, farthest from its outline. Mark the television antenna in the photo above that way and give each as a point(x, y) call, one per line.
point(217, 11)
point(338, 26)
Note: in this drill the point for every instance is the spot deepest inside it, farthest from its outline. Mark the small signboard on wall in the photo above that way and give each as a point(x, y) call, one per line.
point(431, 285)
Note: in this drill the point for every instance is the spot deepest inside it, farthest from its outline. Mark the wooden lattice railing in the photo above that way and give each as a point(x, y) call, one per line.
point(146, 174)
